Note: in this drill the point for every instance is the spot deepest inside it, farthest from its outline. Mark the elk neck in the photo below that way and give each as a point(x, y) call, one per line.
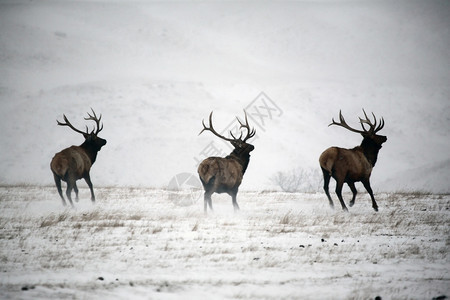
point(241, 157)
point(370, 150)
point(91, 150)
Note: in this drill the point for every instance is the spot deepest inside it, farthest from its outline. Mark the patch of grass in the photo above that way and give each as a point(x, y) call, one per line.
point(287, 229)
point(135, 217)
point(90, 216)
point(112, 223)
point(285, 220)
point(157, 229)
point(53, 220)
point(292, 219)
point(412, 194)
point(250, 248)
point(104, 224)
point(195, 228)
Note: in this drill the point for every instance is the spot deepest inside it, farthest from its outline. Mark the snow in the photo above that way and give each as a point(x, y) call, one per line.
point(280, 245)
point(155, 70)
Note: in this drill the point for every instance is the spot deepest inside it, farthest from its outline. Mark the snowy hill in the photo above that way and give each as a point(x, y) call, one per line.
point(154, 70)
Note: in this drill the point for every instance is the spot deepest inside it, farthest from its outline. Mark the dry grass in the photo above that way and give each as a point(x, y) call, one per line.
point(53, 219)
point(273, 234)
point(157, 229)
point(195, 227)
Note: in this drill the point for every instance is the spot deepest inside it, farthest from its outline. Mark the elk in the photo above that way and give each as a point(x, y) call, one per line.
point(75, 162)
point(353, 165)
point(224, 174)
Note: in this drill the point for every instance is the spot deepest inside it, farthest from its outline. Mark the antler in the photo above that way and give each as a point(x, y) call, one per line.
point(250, 132)
point(97, 121)
point(92, 117)
point(373, 126)
point(67, 123)
point(211, 128)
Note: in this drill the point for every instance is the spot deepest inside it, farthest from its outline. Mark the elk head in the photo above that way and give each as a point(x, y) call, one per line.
point(241, 147)
point(91, 138)
point(368, 134)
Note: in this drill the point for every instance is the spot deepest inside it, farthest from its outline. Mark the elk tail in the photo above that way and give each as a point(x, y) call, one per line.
point(59, 167)
point(206, 173)
point(327, 159)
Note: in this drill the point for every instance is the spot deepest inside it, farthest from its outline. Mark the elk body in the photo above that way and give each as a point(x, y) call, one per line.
point(353, 165)
point(224, 174)
point(75, 162)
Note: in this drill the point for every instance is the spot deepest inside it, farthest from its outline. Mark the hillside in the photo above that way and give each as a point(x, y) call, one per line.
point(154, 70)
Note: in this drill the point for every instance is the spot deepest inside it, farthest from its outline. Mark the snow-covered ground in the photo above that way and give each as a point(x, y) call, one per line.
point(140, 244)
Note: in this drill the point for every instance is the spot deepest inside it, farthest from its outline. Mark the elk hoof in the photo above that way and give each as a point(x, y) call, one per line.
point(375, 208)
point(351, 203)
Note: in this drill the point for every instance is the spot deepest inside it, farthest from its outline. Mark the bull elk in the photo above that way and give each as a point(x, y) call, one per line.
point(224, 174)
point(75, 162)
point(353, 165)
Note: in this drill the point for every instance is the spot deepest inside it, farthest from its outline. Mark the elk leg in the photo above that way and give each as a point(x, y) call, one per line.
point(69, 191)
point(87, 178)
point(366, 184)
point(352, 187)
point(58, 187)
point(208, 201)
point(326, 182)
point(235, 205)
point(339, 185)
point(75, 188)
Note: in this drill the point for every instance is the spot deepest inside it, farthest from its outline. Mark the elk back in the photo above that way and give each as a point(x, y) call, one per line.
point(351, 162)
point(74, 160)
point(227, 172)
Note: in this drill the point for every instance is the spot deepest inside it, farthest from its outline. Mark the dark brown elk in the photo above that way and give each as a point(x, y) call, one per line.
point(353, 165)
point(224, 174)
point(75, 162)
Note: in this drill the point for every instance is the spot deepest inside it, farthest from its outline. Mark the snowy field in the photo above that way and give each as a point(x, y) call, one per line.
point(137, 243)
